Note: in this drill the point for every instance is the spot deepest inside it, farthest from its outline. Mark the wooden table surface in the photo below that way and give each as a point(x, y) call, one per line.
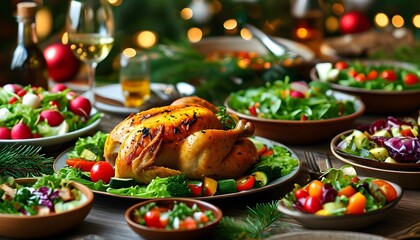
point(106, 219)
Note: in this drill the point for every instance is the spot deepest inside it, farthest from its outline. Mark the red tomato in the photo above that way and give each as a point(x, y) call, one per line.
point(389, 75)
point(12, 99)
point(312, 204)
point(82, 164)
point(301, 193)
point(386, 188)
point(352, 73)
point(245, 183)
point(196, 188)
point(411, 79)
point(152, 219)
point(267, 153)
point(341, 65)
point(188, 223)
point(315, 188)
point(252, 110)
point(101, 170)
point(361, 77)
point(372, 75)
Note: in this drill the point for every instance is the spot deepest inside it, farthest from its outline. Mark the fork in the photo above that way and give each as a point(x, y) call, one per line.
point(312, 166)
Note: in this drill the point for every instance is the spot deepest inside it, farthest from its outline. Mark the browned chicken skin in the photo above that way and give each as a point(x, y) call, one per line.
point(185, 137)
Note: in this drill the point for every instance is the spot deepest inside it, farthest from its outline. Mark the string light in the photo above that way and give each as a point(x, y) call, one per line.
point(146, 39)
point(129, 52)
point(44, 16)
point(186, 13)
point(245, 34)
point(230, 24)
point(416, 21)
point(194, 35)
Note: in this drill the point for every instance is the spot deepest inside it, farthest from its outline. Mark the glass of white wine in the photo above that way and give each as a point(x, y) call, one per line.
point(90, 28)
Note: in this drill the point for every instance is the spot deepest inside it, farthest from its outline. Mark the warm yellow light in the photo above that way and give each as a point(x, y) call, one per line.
point(397, 21)
point(115, 2)
point(332, 24)
point(146, 39)
point(416, 21)
point(230, 24)
point(65, 38)
point(129, 52)
point(381, 19)
point(44, 22)
point(194, 35)
point(337, 8)
point(245, 34)
point(186, 13)
point(302, 33)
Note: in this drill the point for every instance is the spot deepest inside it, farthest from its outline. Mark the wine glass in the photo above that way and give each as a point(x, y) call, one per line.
point(90, 28)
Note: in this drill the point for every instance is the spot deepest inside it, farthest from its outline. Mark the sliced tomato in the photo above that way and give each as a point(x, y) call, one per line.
point(267, 153)
point(82, 164)
point(253, 110)
point(262, 150)
point(389, 75)
point(386, 188)
point(196, 188)
point(245, 183)
point(361, 77)
point(152, 219)
point(407, 133)
point(188, 223)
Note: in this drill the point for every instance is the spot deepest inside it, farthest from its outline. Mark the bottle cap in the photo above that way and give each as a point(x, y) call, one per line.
point(26, 9)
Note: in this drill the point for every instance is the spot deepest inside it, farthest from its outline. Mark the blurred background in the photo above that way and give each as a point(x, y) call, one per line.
point(147, 23)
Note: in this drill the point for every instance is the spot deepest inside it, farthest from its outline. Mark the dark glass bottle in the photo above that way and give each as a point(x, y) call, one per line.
point(28, 65)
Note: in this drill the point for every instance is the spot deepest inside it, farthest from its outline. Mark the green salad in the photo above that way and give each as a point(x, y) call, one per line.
point(284, 100)
point(369, 76)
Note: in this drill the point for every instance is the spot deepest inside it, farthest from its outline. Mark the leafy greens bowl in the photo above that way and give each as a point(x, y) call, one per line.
point(41, 226)
point(312, 115)
point(368, 80)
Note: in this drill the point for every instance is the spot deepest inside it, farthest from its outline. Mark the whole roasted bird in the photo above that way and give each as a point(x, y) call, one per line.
point(185, 137)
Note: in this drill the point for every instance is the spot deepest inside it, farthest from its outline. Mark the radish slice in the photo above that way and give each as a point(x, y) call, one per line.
point(299, 86)
point(322, 70)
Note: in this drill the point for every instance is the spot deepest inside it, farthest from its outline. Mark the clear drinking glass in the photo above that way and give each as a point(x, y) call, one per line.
point(90, 28)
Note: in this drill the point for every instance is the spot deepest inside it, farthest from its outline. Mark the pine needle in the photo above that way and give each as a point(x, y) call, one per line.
point(256, 225)
point(24, 161)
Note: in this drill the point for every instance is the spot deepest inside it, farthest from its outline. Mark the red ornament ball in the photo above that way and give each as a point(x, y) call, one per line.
point(354, 22)
point(62, 65)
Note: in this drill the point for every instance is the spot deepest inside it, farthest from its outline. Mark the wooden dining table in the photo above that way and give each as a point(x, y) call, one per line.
point(106, 218)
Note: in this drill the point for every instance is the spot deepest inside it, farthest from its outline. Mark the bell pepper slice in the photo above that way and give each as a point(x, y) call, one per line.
point(210, 186)
point(245, 183)
point(82, 164)
point(196, 188)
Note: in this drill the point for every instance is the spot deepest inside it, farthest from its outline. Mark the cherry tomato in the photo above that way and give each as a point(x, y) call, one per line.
point(352, 73)
point(361, 77)
point(252, 110)
point(312, 204)
point(389, 75)
point(188, 223)
point(411, 79)
point(315, 188)
point(152, 219)
point(372, 75)
point(341, 65)
point(267, 153)
point(12, 99)
point(101, 170)
point(357, 203)
point(301, 193)
point(82, 164)
point(196, 188)
point(386, 188)
point(245, 183)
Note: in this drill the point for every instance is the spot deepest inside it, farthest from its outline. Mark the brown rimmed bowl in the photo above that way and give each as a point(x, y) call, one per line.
point(161, 234)
point(25, 227)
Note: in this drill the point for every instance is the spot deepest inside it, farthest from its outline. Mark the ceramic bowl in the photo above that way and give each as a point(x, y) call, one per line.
point(381, 101)
point(345, 222)
point(161, 234)
point(407, 175)
point(302, 132)
point(25, 227)
point(310, 235)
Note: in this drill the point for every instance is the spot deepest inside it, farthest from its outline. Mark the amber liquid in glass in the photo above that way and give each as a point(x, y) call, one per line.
point(135, 91)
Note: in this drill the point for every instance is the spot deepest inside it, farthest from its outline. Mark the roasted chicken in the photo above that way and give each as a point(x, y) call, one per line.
point(185, 137)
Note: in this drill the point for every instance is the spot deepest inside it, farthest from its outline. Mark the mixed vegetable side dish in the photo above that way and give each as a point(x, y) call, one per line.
point(369, 76)
point(32, 112)
point(284, 100)
point(87, 166)
point(341, 192)
point(175, 216)
point(390, 140)
point(48, 195)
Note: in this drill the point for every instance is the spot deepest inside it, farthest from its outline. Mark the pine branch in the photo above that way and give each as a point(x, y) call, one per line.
point(24, 161)
point(256, 225)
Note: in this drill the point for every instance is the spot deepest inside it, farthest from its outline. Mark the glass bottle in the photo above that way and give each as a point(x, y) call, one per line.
point(28, 65)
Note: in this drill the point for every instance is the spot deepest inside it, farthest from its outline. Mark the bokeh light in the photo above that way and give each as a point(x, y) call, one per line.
point(397, 21)
point(337, 9)
point(129, 52)
point(302, 33)
point(146, 39)
point(332, 24)
point(115, 2)
point(194, 35)
point(245, 34)
point(230, 24)
point(381, 20)
point(44, 21)
point(186, 13)
point(416, 21)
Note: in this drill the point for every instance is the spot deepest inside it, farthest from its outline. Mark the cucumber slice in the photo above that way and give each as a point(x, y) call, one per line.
point(276, 172)
point(226, 186)
point(265, 169)
point(260, 179)
point(121, 182)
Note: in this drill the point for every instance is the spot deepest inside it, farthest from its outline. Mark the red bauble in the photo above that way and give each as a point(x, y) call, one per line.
point(354, 22)
point(61, 63)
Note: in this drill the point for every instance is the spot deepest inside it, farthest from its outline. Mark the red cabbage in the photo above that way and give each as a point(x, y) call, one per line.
point(404, 149)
